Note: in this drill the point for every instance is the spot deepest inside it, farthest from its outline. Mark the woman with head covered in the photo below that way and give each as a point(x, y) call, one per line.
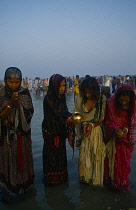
point(56, 127)
point(16, 161)
point(119, 126)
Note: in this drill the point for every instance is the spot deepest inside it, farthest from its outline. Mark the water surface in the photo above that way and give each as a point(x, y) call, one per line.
point(71, 195)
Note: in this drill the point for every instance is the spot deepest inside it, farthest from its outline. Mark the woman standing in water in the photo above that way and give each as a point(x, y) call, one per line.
point(16, 161)
point(119, 125)
point(56, 127)
point(91, 105)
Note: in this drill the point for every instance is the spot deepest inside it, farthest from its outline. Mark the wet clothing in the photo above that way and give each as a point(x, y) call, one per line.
point(92, 150)
point(55, 131)
point(16, 161)
point(119, 150)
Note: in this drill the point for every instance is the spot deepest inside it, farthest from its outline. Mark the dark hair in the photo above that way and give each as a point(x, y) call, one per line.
point(12, 72)
point(54, 84)
point(131, 102)
point(87, 76)
point(92, 84)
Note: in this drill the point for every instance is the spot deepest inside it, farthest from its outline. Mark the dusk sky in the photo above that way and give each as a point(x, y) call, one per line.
point(69, 37)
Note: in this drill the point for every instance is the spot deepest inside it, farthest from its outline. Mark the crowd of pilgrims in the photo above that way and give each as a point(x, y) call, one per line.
point(108, 83)
point(102, 127)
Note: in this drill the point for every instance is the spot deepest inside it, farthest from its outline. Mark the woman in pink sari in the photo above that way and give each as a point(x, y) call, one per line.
point(119, 126)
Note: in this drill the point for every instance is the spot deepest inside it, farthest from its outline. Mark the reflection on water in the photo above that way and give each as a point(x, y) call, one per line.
point(71, 195)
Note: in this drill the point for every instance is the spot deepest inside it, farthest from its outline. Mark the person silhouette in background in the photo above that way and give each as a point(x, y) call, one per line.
point(76, 86)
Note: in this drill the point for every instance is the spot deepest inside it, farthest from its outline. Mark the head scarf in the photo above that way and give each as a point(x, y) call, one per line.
point(121, 88)
point(54, 84)
point(12, 72)
point(114, 116)
point(56, 112)
point(6, 93)
point(55, 108)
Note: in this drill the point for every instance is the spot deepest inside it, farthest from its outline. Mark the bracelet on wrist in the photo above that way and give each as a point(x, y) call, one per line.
point(126, 129)
point(92, 125)
point(9, 106)
point(88, 123)
point(84, 123)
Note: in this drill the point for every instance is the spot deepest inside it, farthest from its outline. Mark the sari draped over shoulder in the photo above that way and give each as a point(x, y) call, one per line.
point(119, 150)
point(55, 131)
point(92, 150)
point(16, 161)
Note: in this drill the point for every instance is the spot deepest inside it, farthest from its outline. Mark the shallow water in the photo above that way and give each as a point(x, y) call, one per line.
point(71, 195)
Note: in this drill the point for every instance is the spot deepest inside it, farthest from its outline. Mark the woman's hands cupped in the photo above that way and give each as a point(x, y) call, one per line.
point(14, 99)
point(87, 129)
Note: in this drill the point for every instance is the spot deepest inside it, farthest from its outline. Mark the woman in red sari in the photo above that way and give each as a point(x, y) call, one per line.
point(119, 125)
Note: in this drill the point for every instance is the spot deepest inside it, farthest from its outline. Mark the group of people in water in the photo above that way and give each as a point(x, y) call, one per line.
point(104, 130)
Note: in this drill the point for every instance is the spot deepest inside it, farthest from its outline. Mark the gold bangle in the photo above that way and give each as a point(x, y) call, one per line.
point(89, 123)
point(9, 106)
point(92, 125)
point(126, 129)
point(84, 123)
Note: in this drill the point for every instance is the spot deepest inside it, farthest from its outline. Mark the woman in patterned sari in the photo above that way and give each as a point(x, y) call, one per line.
point(91, 105)
point(119, 125)
point(16, 161)
point(56, 127)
